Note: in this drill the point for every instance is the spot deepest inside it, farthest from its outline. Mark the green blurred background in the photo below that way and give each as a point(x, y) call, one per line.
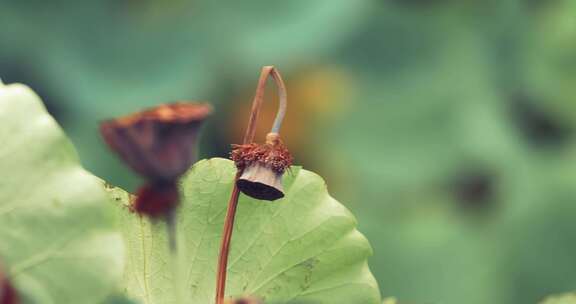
point(446, 126)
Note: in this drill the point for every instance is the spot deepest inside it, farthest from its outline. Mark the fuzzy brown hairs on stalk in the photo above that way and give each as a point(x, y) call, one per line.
point(260, 168)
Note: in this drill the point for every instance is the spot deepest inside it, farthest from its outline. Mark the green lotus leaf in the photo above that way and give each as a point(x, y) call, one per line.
point(303, 248)
point(57, 240)
point(568, 298)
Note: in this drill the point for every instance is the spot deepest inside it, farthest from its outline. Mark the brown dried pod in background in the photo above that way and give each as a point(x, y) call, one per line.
point(262, 167)
point(159, 144)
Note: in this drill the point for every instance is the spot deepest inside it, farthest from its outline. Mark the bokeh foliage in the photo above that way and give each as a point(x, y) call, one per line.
point(448, 125)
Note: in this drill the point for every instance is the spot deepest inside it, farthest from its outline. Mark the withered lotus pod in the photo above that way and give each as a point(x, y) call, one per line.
point(158, 143)
point(262, 168)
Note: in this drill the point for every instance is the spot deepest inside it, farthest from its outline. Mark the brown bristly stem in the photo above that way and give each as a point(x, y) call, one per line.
point(267, 71)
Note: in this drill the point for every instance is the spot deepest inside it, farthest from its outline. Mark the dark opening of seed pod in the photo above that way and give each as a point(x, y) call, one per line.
point(261, 182)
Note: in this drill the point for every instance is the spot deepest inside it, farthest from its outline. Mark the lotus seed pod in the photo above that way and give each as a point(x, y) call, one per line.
point(261, 182)
point(262, 168)
point(160, 145)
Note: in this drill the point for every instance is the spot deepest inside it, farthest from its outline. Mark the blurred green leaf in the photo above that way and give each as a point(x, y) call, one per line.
point(390, 301)
point(421, 119)
point(568, 298)
point(119, 299)
point(549, 64)
point(56, 237)
point(303, 248)
point(104, 59)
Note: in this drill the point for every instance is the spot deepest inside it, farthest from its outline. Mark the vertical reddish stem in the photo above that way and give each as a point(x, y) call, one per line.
point(225, 246)
point(266, 72)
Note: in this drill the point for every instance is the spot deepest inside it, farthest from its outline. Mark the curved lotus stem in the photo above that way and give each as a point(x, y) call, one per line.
point(267, 71)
